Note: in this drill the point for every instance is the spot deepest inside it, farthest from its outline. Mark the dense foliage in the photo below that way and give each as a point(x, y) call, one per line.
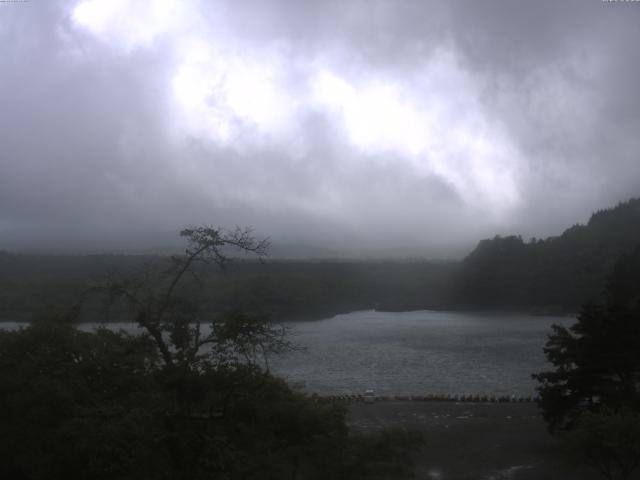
point(184, 399)
point(99, 405)
point(608, 440)
point(556, 274)
point(597, 360)
point(592, 396)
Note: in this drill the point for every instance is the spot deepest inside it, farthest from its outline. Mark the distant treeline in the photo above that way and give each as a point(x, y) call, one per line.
point(37, 285)
point(554, 275)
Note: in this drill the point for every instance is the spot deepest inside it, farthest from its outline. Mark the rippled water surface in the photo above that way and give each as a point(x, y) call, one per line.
point(418, 353)
point(413, 353)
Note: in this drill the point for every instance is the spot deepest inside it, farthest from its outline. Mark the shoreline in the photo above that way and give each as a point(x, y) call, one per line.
point(328, 314)
point(472, 441)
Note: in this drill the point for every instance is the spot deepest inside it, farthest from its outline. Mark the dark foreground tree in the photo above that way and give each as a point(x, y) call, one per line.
point(181, 400)
point(593, 390)
point(78, 405)
point(165, 301)
point(606, 440)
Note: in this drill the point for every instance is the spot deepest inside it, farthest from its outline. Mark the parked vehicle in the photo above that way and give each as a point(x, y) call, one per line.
point(369, 396)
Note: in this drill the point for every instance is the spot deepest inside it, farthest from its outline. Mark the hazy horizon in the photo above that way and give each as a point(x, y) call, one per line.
point(338, 128)
point(287, 249)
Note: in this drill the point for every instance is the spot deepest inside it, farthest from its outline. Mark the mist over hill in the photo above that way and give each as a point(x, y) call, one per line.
point(552, 275)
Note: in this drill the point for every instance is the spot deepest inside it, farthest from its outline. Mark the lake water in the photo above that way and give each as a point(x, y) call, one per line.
point(413, 353)
point(420, 352)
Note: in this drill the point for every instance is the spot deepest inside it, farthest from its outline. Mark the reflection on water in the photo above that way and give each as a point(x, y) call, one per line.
point(413, 352)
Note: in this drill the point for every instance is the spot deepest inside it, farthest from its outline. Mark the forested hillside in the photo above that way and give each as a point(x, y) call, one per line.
point(548, 276)
point(556, 274)
point(37, 285)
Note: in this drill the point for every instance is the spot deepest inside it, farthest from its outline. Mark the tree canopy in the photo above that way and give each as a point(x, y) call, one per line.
point(592, 397)
point(185, 399)
point(597, 360)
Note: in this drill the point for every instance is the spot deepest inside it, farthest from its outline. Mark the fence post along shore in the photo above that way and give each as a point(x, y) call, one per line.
point(429, 397)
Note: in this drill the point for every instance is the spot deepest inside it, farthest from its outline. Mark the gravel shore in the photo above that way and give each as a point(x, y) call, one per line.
point(473, 441)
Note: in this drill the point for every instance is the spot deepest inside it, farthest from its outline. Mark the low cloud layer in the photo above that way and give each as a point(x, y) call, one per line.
point(350, 126)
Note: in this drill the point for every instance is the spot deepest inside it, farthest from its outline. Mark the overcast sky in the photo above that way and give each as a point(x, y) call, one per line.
point(373, 126)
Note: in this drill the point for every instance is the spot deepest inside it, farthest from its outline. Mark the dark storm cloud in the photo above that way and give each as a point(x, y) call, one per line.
point(346, 124)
